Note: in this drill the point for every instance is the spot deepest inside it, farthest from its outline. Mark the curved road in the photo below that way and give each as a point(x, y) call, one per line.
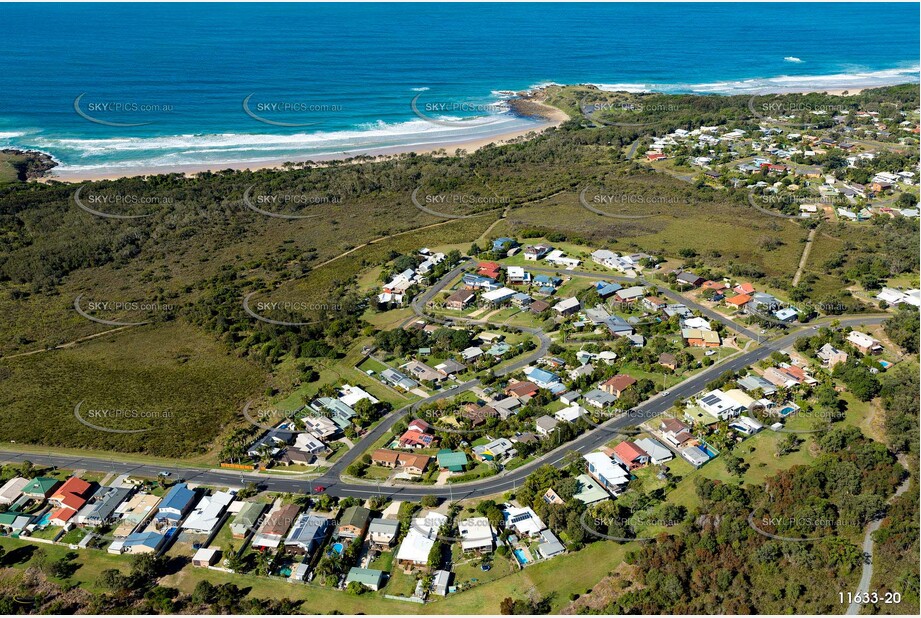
point(494, 485)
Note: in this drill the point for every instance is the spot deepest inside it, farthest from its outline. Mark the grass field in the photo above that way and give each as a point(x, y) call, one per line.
point(173, 382)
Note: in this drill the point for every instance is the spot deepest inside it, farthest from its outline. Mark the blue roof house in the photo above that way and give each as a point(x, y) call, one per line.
point(176, 503)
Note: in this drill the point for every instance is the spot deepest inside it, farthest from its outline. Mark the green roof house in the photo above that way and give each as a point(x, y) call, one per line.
point(372, 578)
point(40, 487)
point(451, 460)
point(354, 522)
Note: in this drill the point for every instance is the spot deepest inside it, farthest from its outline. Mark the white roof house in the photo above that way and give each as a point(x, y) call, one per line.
point(605, 471)
point(559, 257)
point(207, 513)
point(350, 395)
point(524, 520)
point(477, 533)
point(12, 489)
point(717, 404)
point(423, 533)
point(696, 322)
point(567, 304)
point(863, 341)
point(570, 414)
point(498, 296)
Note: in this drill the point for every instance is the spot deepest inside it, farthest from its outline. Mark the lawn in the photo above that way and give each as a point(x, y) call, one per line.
point(92, 562)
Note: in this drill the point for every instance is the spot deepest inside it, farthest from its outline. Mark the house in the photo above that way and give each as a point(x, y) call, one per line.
point(549, 545)
point(536, 252)
point(618, 385)
point(567, 306)
point(498, 297)
point(658, 453)
point(754, 382)
point(206, 556)
point(273, 529)
point(397, 379)
point(472, 353)
point(503, 244)
point(354, 522)
point(831, 356)
point(589, 491)
point(450, 367)
point(697, 338)
point(422, 372)
point(455, 461)
point(570, 414)
point(521, 300)
point(208, 512)
point(12, 489)
point(516, 275)
point(689, 278)
point(630, 456)
point(718, 405)
point(307, 534)
point(141, 543)
point(14, 521)
point(787, 314)
point(413, 464)
point(538, 306)
point(864, 342)
point(738, 301)
point(489, 269)
point(545, 425)
point(495, 450)
point(606, 289)
point(524, 521)
point(522, 388)
point(654, 303)
point(176, 503)
point(541, 377)
point(599, 398)
point(668, 361)
point(460, 299)
point(716, 286)
point(246, 519)
point(505, 407)
point(608, 474)
point(478, 282)
point(413, 438)
point(369, 578)
point(40, 487)
point(746, 425)
point(383, 532)
point(320, 426)
point(417, 544)
point(629, 295)
point(101, 509)
point(675, 432)
point(477, 534)
point(134, 512)
point(558, 258)
point(780, 378)
point(695, 456)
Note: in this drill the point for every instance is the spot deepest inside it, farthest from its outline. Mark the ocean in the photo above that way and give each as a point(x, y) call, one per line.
point(106, 87)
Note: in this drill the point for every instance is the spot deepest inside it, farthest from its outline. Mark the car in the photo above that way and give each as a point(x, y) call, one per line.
point(164, 474)
point(319, 489)
point(664, 393)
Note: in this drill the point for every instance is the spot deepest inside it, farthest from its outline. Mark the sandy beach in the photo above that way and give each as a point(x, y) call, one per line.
point(545, 116)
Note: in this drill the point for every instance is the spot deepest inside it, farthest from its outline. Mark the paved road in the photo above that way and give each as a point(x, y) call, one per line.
point(663, 291)
point(335, 486)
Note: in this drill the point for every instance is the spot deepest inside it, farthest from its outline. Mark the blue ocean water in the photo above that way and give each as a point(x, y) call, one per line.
point(108, 86)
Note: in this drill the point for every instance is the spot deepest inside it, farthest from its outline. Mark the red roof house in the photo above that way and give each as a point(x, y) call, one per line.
point(630, 455)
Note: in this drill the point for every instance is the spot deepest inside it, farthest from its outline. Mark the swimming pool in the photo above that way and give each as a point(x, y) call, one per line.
point(787, 410)
point(885, 364)
point(709, 451)
point(43, 520)
point(338, 547)
point(520, 556)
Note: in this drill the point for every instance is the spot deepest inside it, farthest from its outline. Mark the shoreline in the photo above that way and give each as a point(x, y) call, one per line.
point(544, 115)
point(527, 104)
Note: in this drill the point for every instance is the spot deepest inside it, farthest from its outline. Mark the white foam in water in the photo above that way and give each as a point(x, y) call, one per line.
point(782, 83)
